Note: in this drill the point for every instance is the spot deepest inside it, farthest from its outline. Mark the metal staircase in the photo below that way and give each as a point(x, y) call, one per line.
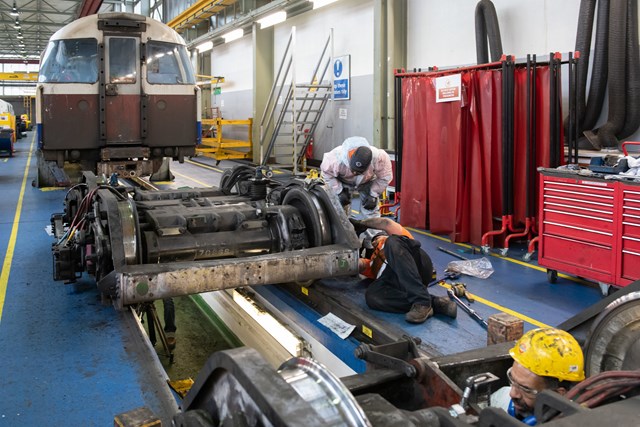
point(293, 109)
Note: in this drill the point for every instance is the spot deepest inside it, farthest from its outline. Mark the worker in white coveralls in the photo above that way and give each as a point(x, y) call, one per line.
point(357, 166)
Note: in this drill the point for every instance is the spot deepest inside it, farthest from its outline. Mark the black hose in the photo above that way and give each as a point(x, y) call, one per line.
point(632, 116)
point(606, 136)
point(505, 132)
point(511, 94)
point(583, 45)
point(552, 111)
point(399, 131)
point(599, 69)
point(534, 131)
point(528, 207)
point(487, 25)
point(571, 117)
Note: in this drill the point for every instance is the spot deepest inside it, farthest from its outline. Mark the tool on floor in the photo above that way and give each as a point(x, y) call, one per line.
point(446, 251)
point(468, 309)
point(460, 290)
point(448, 275)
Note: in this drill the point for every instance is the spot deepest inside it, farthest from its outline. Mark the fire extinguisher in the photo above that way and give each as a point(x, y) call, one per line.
point(308, 154)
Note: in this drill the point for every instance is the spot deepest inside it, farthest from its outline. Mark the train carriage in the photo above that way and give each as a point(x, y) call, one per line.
point(117, 93)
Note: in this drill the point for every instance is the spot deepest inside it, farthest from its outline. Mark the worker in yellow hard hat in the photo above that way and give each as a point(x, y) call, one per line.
point(543, 359)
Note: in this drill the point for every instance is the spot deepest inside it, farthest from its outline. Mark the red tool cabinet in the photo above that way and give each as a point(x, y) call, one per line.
point(589, 227)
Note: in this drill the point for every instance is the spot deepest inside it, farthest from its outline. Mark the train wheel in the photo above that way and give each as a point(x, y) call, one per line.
point(614, 339)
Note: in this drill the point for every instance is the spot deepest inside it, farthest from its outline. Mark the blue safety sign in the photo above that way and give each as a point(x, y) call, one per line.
point(342, 77)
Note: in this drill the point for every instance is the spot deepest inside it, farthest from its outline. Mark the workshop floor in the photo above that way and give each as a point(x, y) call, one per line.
point(68, 359)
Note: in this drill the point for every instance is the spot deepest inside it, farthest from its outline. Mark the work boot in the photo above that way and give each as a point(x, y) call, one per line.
point(443, 305)
point(418, 313)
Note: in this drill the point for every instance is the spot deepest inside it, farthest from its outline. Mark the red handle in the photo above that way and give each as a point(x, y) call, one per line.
point(624, 148)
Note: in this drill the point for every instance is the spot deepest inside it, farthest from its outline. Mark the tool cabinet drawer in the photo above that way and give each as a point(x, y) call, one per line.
point(581, 190)
point(579, 209)
point(576, 231)
point(631, 213)
point(578, 254)
point(630, 265)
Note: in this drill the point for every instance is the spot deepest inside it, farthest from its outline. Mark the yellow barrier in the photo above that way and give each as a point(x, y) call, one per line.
point(219, 148)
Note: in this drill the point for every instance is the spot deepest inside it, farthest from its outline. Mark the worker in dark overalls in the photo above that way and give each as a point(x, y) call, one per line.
point(401, 271)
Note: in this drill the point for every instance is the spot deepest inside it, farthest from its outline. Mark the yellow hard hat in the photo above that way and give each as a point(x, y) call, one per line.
point(550, 352)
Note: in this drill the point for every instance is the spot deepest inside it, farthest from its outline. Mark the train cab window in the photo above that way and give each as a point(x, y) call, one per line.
point(122, 60)
point(168, 63)
point(70, 61)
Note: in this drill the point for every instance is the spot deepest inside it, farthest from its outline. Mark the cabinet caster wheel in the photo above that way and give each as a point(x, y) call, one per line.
point(527, 256)
point(503, 251)
point(484, 250)
point(552, 276)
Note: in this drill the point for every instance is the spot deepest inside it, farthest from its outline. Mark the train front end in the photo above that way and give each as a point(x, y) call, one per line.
point(117, 94)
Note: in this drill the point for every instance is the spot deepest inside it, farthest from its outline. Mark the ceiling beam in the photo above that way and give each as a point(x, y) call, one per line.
point(89, 7)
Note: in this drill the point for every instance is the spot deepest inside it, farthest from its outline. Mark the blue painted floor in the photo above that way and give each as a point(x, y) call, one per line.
point(67, 359)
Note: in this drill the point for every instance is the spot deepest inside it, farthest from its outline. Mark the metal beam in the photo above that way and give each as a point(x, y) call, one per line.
point(28, 77)
point(198, 12)
point(89, 7)
point(390, 52)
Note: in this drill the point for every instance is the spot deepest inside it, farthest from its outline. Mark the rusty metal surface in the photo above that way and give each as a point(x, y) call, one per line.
point(171, 120)
point(458, 367)
point(109, 153)
point(437, 389)
point(62, 130)
point(123, 119)
point(149, 282)
point(125, 168)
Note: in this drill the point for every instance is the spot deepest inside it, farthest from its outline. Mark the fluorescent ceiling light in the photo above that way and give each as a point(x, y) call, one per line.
point(14, 10)
point(17, 24)
point(319, 3)
point(233, 35)
point(203, 47)
point(273, 19)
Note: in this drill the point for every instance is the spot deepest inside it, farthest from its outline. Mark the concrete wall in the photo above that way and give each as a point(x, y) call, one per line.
point(442, 33)
point(439, 33)
point(234, 61)
point(312, 30)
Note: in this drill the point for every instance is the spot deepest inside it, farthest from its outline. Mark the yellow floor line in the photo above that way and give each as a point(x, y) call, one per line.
point(191, 179)
point(8, 258)
point(52, 188)
point(504, 309)
point(515, 261)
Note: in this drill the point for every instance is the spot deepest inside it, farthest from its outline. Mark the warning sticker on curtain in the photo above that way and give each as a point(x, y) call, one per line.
point(448, 88)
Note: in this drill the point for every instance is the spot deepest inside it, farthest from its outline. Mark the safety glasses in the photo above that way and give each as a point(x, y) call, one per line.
point(524, 389)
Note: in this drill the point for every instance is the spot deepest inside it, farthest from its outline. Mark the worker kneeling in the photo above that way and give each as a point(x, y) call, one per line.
point(544, 359)
point(356, 166)
point(401, 271)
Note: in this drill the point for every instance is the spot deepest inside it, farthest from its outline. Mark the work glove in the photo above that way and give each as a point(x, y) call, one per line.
point(358, 226)
point(370, 202)
point(345, 196)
